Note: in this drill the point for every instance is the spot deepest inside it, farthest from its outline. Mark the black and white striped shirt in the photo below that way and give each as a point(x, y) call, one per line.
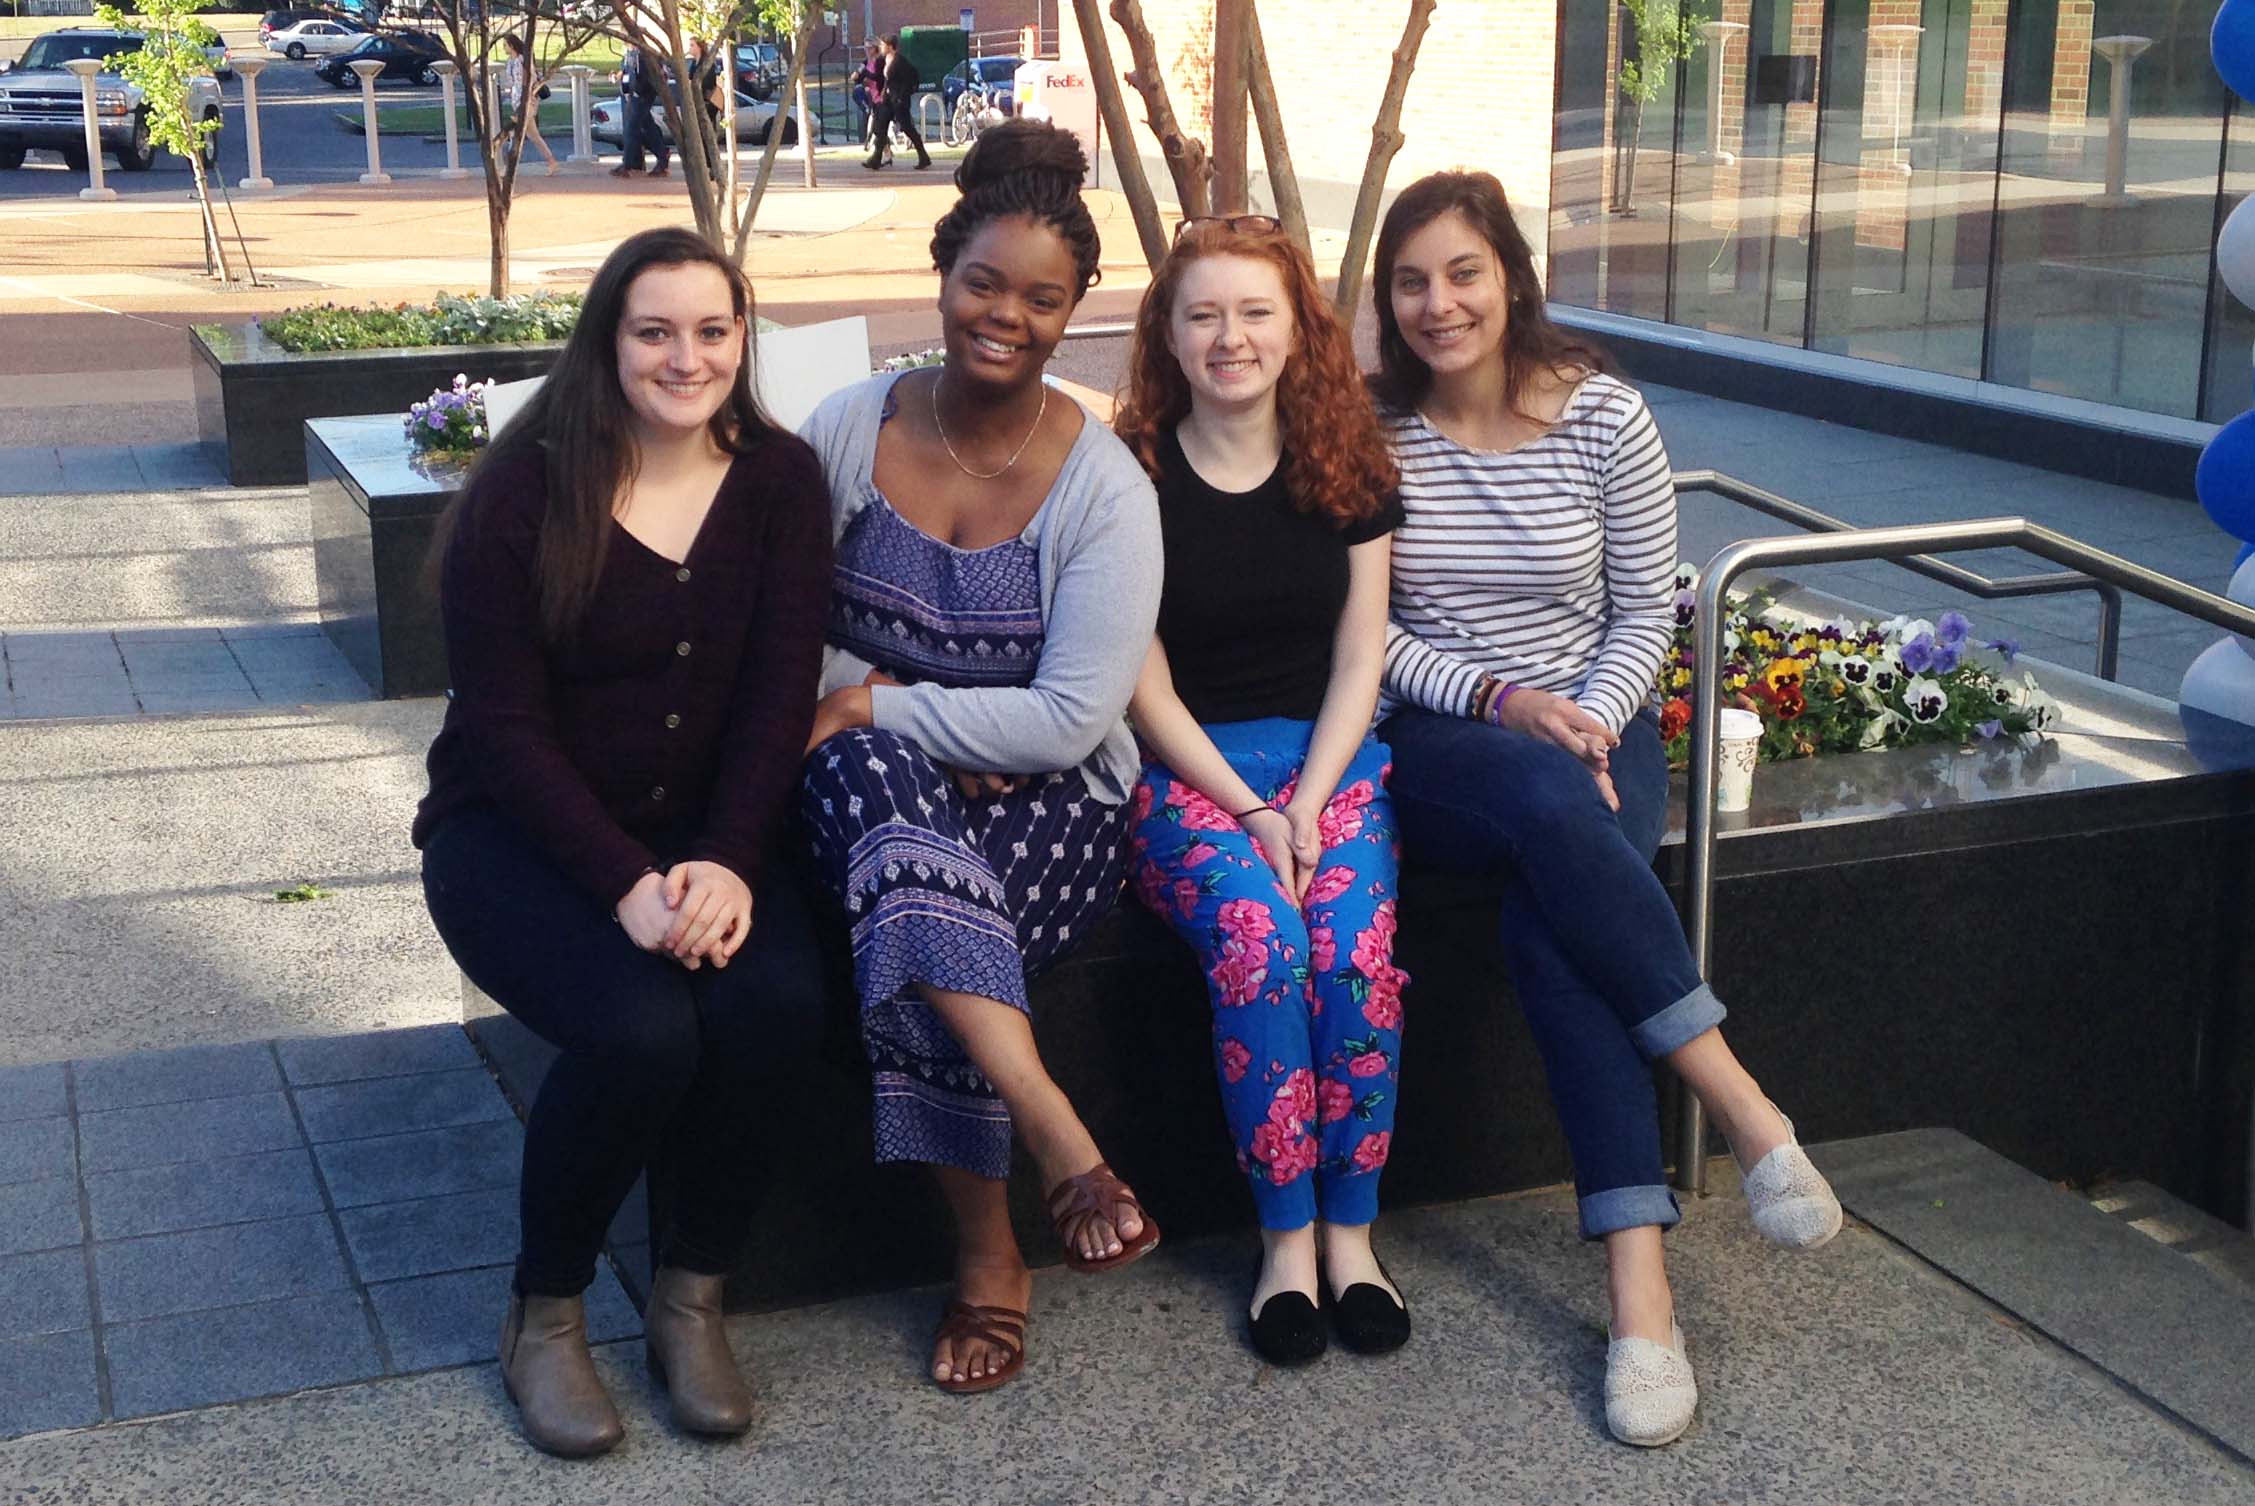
point(1551, 565)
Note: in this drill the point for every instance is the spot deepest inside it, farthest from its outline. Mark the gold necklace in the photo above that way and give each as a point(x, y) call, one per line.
point(1014, 454)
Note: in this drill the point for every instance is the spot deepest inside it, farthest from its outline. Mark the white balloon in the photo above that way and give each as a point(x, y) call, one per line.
point(2235, 252)
point(2221, 683)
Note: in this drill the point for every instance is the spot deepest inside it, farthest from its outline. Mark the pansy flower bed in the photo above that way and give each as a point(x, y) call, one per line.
point(451, 422)
point(1844, 686)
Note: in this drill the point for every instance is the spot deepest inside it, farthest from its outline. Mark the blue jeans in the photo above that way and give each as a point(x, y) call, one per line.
point(1596, 951)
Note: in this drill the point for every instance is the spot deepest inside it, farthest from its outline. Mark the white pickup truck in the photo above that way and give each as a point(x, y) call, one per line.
point(40, 103)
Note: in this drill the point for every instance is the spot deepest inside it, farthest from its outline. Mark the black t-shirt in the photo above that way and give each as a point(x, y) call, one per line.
point(1254, 590)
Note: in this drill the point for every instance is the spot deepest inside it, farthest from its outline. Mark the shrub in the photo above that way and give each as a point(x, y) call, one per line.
point(448, 320)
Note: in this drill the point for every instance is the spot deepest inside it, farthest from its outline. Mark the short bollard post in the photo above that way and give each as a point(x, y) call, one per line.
point(446, 69)
point(368, 68)
point(2120, 53)
point(247, 69)
point(583, 126)
point(86, 68)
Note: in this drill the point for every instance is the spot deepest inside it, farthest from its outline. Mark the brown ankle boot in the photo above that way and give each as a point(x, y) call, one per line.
point(687, 1346)
point(546, 1369)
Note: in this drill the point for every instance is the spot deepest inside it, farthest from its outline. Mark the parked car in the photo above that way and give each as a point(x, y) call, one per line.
point(405, 54)
point(41, 106)
point(754, 119)
point(275, 20)
point(997, 75)
point(325, 38)
point(760, 68)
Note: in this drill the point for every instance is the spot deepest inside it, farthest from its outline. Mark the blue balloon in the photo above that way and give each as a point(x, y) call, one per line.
point(2225, 477)
point(2231, 42)
point(2246, 553)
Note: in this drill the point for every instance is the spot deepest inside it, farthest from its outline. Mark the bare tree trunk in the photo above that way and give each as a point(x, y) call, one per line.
point(211, 221)
point(1112, 105)
point(1186, 155)
point(1233, 21)
point(1385, 140)
point(806, 124)
point(1283, 179)
point(742, 242)
point(497, 233)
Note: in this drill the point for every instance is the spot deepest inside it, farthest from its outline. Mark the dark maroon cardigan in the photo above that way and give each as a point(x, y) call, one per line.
point(675, 717)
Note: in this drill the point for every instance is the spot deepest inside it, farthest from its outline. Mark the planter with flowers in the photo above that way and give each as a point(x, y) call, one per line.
point(447, 428)
point(1846, 685)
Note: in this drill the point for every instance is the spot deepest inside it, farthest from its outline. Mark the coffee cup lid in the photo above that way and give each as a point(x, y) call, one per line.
point(1738, 723)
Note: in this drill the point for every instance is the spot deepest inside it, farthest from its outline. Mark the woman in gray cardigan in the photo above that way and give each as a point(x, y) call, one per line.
point(997, 580)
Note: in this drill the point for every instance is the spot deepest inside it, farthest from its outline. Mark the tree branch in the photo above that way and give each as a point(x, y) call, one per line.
point(1283, 178)
point(1112, 105)
point(1385, 140)
point(1232, 23)
point(1186, 154)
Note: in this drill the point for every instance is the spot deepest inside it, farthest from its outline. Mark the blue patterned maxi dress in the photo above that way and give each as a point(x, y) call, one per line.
point(973, 896)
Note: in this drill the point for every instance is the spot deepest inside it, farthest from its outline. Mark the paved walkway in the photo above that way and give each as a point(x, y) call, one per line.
point(198, 1226)
point(1870, 1371)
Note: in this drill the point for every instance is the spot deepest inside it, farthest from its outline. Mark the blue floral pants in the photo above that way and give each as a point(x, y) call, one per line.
point(1307, 1000)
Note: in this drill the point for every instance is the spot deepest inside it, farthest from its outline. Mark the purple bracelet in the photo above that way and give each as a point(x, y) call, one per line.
point(1495, 702)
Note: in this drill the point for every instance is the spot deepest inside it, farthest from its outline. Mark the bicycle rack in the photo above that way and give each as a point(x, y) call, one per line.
point(1905, 545)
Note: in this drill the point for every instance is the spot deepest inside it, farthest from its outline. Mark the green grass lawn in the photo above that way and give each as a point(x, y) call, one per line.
point(430, 119)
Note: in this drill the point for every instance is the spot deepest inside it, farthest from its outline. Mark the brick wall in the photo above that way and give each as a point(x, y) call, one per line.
point(2071, 77)
point(1481, 95)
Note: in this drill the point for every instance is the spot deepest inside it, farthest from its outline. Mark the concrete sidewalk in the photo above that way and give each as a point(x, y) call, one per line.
point(1862, 1373)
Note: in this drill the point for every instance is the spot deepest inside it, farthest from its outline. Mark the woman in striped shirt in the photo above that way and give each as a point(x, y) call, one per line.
point(1533, 579)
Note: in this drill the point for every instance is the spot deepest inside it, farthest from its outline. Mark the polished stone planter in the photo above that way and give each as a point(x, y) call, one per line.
point(2045, 949)
point(253, 397)
point(373, 511)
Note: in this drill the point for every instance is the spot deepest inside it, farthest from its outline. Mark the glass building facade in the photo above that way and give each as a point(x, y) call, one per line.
point(1951, 185)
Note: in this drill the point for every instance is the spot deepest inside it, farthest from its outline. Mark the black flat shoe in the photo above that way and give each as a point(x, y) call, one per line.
point(1369, 1320)
point(1287, 1330)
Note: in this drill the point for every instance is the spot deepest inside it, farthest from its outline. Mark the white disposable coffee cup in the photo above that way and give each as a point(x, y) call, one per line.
point(1740, 737)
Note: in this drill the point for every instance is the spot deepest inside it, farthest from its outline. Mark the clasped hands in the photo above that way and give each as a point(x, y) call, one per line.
point(850, 706)
point(696, 912)
point(1289, 840)
point(1561, 720)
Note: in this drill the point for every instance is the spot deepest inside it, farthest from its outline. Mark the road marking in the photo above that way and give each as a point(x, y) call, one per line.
point(32, 288)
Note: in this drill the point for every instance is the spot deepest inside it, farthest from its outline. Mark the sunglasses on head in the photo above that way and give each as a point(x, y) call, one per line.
point(1243, 224)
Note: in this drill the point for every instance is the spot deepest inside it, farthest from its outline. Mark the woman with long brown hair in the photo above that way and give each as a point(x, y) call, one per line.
point(1263, 832)
point(632, 589)
point(1532, 602)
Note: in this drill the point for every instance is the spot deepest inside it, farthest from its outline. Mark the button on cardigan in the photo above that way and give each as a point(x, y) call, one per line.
point(675, 716)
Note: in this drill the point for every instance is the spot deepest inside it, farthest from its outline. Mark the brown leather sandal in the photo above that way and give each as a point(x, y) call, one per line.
point(1098, 1193)
point(1002, 1327)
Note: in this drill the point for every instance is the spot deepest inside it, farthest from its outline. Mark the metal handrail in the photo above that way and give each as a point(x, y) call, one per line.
point(1733, 560)
point(2109, 597)
point(1098, 331)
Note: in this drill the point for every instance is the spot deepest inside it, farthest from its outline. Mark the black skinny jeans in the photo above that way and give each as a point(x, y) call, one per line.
point(656, 1059)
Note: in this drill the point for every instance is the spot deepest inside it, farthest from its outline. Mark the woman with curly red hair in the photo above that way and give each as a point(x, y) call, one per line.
point(1263, 832)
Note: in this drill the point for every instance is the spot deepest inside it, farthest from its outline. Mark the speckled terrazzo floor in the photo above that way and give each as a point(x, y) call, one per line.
point(1856, 1374)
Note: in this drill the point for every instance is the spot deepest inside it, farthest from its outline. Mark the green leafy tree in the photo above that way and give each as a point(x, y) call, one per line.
point(172, 56)
point(1666, 34)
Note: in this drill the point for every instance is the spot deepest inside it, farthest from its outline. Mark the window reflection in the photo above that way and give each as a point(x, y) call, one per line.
point(1935, 183)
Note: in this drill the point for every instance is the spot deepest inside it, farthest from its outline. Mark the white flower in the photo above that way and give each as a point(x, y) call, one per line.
point(1854, 669)
point(1926, 699)
point(1904, 629)
point(2041, 708)
point(1687, 576)
point(1730, 640)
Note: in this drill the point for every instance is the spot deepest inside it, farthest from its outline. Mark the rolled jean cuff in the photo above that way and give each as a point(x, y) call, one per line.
point(1682, 1022)
point(1621, 1208)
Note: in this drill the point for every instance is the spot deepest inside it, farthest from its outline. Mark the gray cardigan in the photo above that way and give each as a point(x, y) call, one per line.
point(1096, 539)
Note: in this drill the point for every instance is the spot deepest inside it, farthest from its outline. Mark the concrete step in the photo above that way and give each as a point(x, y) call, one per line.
point(2167, 1327)
point(2164, 1217)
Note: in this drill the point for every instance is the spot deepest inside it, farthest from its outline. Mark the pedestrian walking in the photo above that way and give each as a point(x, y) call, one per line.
point(517, 83)
point(641, 82)
point(901, 82)
point(868, 89)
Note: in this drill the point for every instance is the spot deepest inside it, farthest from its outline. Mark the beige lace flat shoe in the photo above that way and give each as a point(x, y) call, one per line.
point(1649, 1391)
